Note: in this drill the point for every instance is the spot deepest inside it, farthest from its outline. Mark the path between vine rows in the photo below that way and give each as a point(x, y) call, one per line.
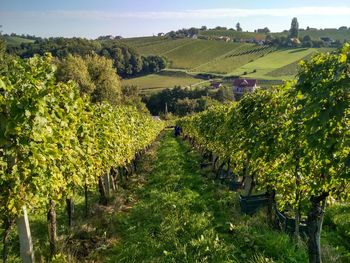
point(180, 217)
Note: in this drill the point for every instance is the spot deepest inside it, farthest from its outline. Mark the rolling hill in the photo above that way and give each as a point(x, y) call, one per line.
point(220, 58)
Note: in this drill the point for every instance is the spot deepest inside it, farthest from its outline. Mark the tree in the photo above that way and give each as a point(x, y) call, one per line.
point(75, 68)
point(192, 31)
point(238, 27)
point(2, 51)
point(307, 41)
point(294, 28)
point(94, 75)
point(104, 76)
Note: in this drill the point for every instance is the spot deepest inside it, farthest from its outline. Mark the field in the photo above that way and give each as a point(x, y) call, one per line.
point(280, 59)
point(155, 82)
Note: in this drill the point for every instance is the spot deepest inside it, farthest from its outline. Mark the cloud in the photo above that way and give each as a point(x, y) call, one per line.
point(232, 13)
point(216, 13)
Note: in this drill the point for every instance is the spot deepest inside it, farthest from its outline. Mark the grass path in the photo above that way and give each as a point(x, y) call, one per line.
point(181, 217)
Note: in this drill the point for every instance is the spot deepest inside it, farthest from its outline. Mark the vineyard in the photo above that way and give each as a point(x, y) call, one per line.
point(156, 45)
point(291, 142)
point(55, 143)
point(151, 197)
point(240, 56)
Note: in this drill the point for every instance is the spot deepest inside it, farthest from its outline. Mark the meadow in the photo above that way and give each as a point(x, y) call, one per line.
point(167, 79)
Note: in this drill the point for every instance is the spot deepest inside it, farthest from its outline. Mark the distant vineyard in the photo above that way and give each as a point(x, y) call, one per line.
point(240, 56)
point(246, 50)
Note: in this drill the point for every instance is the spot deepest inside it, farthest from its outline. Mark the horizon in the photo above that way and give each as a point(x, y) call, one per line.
point(91, 19)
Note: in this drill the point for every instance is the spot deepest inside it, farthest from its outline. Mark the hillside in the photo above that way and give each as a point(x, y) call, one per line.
point(225, 59)
point(279, 59)
point(16, 40)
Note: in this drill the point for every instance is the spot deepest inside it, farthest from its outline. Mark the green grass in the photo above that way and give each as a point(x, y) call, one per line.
point(184, 217)
point(171, 211)
point(336, 233)
point(162, 80)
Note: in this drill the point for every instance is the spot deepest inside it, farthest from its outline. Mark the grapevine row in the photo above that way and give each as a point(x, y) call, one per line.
point(54, 142)
point(292, 141)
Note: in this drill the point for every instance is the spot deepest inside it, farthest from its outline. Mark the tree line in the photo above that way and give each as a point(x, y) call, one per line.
point(183, 101)
point(126, 60)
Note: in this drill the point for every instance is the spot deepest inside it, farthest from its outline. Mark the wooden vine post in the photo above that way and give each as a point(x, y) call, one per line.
point(25, 237)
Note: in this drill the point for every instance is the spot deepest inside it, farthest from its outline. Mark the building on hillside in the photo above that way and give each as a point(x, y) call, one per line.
point(215, 85)
point(241, 86)
point(294, 42)
point(225, 38)
point(195, 36)
point(260, 40)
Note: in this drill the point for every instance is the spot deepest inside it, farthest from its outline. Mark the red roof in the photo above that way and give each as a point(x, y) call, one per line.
point(244, 82)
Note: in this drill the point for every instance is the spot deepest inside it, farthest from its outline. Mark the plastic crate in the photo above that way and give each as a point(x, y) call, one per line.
point(251, 204)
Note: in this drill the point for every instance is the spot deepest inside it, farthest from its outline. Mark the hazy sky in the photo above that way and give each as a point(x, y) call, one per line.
point(92, 18)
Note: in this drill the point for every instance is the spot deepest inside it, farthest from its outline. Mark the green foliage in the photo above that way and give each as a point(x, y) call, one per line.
point(337, 234)
point(131, 96)
point(259, 244)
point(126, 60)
point(294, 138)
point(75, 68)
point(52, 141)
point(105, 79)
point(183, 101)
point(94, 75)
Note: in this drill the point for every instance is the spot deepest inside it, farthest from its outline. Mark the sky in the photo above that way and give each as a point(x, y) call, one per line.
point(131, 18)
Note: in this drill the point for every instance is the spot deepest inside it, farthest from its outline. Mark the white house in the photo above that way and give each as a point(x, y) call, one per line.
point(241, 86)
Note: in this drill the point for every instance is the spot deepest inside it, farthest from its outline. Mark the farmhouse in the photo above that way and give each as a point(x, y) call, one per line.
point(241, 86)
point(293, 42)
point(215, 85)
